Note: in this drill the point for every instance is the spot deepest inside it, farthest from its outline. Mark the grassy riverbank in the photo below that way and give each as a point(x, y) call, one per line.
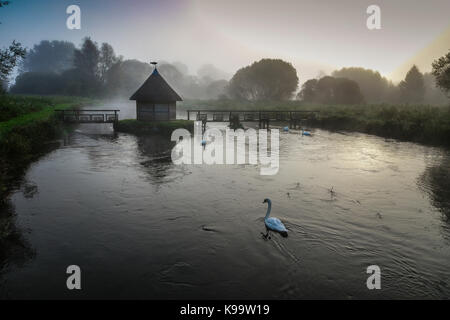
point(158, 127)
point(27, 121)
point(419, 123)
point(423, 124)
point(28, 124)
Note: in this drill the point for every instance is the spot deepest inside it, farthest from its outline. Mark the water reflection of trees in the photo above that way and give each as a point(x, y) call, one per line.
point(14, 248)
point(436, 181)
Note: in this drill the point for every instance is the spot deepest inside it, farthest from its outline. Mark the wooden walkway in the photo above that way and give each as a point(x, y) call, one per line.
point(294, 118)
point(89, 116)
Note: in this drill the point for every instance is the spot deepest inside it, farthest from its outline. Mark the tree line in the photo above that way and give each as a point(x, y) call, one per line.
point(58, 67)
point(274, 79)
point(358, 85)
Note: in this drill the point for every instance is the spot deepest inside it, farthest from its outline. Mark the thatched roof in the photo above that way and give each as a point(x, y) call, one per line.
point(156, 89)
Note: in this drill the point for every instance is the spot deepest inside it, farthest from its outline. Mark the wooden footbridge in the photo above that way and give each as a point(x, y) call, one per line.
point(294, 118)
point(89, 116)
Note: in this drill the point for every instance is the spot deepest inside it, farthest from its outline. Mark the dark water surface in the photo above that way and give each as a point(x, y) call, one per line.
point(141, 227)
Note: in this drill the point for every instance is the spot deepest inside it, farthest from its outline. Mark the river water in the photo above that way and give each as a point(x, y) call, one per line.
point(141, 227)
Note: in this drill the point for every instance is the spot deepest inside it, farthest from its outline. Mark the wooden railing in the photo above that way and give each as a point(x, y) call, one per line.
point(89, 115)
point(251, 115)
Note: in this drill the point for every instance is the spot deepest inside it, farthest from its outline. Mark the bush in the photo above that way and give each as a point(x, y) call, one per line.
point(15, 106)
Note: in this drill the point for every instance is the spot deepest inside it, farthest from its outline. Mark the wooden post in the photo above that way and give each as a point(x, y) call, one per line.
point(188, 114)
point(259, 119)
point(290, 120)
point(116, 120)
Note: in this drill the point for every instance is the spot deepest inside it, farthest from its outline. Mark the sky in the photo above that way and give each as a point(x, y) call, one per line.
point(315, 36)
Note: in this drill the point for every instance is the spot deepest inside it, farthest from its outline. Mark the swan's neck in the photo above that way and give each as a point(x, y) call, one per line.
point(269, 207)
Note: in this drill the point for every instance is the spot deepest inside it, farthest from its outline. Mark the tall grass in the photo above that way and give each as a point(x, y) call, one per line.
point(424, 124)
point(419, 123)
point(13, 106)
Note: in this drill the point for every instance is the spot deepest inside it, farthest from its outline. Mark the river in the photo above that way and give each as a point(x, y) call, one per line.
point(141, 227)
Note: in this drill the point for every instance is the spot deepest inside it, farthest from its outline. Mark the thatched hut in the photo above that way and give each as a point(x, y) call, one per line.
point(155, 99)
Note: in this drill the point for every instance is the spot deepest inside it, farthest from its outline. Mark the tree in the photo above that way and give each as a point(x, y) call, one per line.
point(373, 86)
point(9, 58)
point(325, 90)
point(309, 91)
point(175, 78)
point(441, 70)
point(412, 89)
point(347, 91)
point(392, 93)
point(171, 73)
point(190, 86)
point(212, 72)
point(86, 71)
point(38, 83)
point(216, 89)
point(267, 79)
point(433, 94)
point(124, 77)
point(107, 59)
point(49, 56)
point(330, 90)
point(87, 58)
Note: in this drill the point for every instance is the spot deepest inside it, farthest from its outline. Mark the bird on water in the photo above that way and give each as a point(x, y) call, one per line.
point(306, 133)
point(273, 224)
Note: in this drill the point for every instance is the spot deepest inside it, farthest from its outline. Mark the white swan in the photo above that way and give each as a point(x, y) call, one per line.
point(306, 133)
point(274, 224)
